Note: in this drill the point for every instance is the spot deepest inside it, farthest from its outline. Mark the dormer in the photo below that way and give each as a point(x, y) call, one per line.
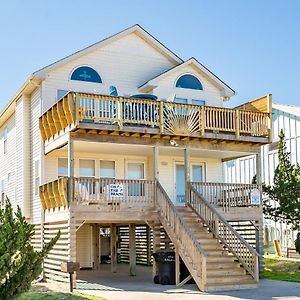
point(189, 82)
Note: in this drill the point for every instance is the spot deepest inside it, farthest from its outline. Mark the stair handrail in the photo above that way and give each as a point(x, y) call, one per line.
point(162, 211)
point(218, 225)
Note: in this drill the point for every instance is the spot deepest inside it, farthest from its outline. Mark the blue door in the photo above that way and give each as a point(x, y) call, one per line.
point(180, 184)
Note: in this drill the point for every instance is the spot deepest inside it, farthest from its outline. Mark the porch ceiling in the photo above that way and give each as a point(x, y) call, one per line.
point(143, 150)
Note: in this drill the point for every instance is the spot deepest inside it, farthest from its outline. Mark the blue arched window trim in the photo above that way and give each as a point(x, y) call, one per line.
point(86, 74)
point(189, 81)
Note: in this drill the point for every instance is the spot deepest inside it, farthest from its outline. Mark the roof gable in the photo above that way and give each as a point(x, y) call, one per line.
point(228, 91)
point(136, 29)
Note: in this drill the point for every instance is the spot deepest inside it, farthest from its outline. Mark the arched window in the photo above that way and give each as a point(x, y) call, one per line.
point(188, 81)
point(86, 74)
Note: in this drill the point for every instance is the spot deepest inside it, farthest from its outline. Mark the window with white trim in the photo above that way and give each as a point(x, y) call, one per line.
point(86, 168)
point(36, 176)
point(107, 169)
point(9, 178)
point(62, 167)
point(5, 140)
point(2, 190)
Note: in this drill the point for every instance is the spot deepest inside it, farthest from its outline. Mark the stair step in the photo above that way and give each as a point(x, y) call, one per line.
point(207, 241)
point(231, 287)
point(203, 235)
point(220, 258)
point(216, 265)
point(214, 252)
point(233, 279)
point(225, 271)
point(212, 246)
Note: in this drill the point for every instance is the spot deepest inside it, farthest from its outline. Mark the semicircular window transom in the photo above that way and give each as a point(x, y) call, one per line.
point(87, 74)
point(188, 81)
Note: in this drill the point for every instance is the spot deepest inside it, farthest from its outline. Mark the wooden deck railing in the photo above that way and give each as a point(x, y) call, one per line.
point(226, 195)
point(113, 193)
point(189, 248)
point(167, 117)
point(217, 224)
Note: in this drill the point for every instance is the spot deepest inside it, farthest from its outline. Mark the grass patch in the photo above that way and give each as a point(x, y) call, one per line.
point(39, 293)
point(281, 269)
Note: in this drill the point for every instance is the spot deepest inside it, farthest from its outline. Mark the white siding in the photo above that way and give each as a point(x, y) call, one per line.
point(126, 63)
point(35, 153)
point(23, 161)
point(84, 246)
point(8, 160)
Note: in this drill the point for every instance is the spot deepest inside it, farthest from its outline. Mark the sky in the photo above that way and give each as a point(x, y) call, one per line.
point(253, 46)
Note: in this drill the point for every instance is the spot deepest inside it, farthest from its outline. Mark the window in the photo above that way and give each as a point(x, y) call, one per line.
point(2, 190)
point(9, 178)
point(86, 74)
point(180, 100)
point(198, 102)
point(62, 167)
point(36, 176)
point(107, 169)
point(5, 140)
point(86, 168)
point(136, 171)
point(197, 173)
point(188, 81)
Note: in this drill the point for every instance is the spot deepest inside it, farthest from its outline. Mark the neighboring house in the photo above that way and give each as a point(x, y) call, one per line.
point(99, 166)
point(242, 170)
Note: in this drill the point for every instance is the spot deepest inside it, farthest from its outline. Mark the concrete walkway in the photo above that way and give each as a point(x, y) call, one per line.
point(120, 286)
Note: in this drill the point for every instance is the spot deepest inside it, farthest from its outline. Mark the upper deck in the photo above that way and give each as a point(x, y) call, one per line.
point(152, 118)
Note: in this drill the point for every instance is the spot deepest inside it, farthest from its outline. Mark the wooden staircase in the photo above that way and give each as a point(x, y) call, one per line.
point(217, 257)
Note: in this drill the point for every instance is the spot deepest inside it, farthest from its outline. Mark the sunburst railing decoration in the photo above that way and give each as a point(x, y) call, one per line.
point(180, 119)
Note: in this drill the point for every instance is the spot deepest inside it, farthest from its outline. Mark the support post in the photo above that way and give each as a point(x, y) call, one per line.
point(155, 162)
point(148, 246)
point(70, 169)
point(258, 168)
point(187, 164)
point(72, 243)
point(96, 236)
point(113, 247)
point(177, 267)
point(132, 250)
point(156, 244)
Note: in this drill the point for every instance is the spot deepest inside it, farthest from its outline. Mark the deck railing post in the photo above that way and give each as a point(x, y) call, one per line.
point(120, 112)
point(237, 124)
point(202, 120)
point(161, 116)
point(70, 169)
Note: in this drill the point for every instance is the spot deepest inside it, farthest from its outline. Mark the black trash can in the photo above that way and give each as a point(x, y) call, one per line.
point(165, 262)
